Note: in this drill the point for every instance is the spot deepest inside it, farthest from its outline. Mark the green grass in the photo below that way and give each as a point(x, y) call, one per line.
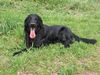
point(83, 17)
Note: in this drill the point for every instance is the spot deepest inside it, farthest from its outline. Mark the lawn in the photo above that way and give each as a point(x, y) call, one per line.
point(81, 16)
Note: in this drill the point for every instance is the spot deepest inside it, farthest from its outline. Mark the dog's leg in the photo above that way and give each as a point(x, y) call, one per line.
point(64, 40)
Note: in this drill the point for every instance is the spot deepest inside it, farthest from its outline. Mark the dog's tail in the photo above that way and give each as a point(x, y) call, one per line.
point(89, 41)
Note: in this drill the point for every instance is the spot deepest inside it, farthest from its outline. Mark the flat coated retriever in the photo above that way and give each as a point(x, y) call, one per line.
point(37, 34)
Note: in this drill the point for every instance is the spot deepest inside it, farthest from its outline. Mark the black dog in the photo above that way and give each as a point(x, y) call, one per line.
point(38, 34)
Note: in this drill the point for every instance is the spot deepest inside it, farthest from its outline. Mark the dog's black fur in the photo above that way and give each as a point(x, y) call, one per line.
point(49, 34)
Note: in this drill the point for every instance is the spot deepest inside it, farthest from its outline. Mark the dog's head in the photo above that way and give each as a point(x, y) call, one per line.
point(33, 23)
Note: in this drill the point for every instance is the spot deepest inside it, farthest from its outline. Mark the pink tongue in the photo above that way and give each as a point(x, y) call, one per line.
point(32, 34)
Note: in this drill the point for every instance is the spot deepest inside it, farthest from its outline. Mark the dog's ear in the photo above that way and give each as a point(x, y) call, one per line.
point(40, 22)
point(26, 22)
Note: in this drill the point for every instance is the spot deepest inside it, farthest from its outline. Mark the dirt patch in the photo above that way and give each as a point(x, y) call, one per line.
point(87, 73)
point(57, 65)
point(24, 73)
